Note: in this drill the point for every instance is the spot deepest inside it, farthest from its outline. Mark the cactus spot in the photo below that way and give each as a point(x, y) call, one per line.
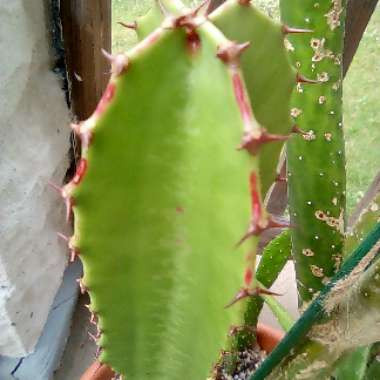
point(316, 237)
point(316, 5)
point(307, 252)
point(333, 15)
point(309, 136)
point(308, 203)
point(322, 100)
point(337, 223)
point(288, 45)
point(323, 77)
point(320, 52)
point(332, 112)
point(334, 201)
point(298, 64)
point(307, 19)
point(328, 136)
point(321, 174)
point(300, 158)
point(299, 88)
point(295, 112)
point(337, 261)
point(316, 271)
point(374, 207)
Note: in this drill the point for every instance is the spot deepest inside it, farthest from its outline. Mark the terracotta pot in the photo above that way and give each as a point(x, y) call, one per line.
point(98, 371)
point(267, 337)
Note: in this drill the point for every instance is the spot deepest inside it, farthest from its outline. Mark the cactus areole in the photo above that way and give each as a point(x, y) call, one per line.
point(168, 194)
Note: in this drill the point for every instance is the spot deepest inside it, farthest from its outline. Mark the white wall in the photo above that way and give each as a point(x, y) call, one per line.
point(33, 145)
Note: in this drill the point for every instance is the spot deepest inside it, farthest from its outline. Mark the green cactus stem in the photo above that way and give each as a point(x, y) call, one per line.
point(320, 336)
point(159, 173)
point(273, 259)
point(316, 160)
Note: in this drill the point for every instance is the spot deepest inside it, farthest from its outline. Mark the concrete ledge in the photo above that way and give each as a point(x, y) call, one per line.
point(46, 359)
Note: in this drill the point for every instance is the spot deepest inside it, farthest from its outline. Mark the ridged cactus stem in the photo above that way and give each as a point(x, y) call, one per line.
point(316, 160)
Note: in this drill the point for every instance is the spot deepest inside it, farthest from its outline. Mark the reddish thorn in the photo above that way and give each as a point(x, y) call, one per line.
point(163, 9)
point(93, 319)
point(232, 52)
point(245, 292)
point(203, 4)
point(74, 253)
point(297, 129)
point(83, 289)
point(245, 2)
point(55, 187)
point(93, 337)
point(80, 172)
point(242, 293)
point(179, 210)
point(267, 292)
point(107, 55)
point(129, 25)
point(98, 352)
point(301, 79)
point(253, 144)
point(289, 30)
point(63, 237)
point(256, 230)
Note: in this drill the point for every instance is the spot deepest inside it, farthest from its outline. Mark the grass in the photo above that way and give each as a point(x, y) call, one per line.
point(362, 110)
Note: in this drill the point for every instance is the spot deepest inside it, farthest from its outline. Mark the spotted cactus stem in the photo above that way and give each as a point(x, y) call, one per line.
point(316, 160)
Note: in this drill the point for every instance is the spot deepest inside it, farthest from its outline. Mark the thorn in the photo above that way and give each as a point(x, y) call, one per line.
point(55, 187)
point(98, 352)
point(245, 292)
point(128, 25)
point(82, 287)
point(163, 9)
point(118, 62)
point(232, 52)
point(81, 170)
point(256, 229)
point(297, 129)
point(289, 30)
point(253, 144)
point(93, 337)
point(203, 4)
point(107, 55)
point(63, 237)
point(301, 79)
point(245, 2)
point(93, 319)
